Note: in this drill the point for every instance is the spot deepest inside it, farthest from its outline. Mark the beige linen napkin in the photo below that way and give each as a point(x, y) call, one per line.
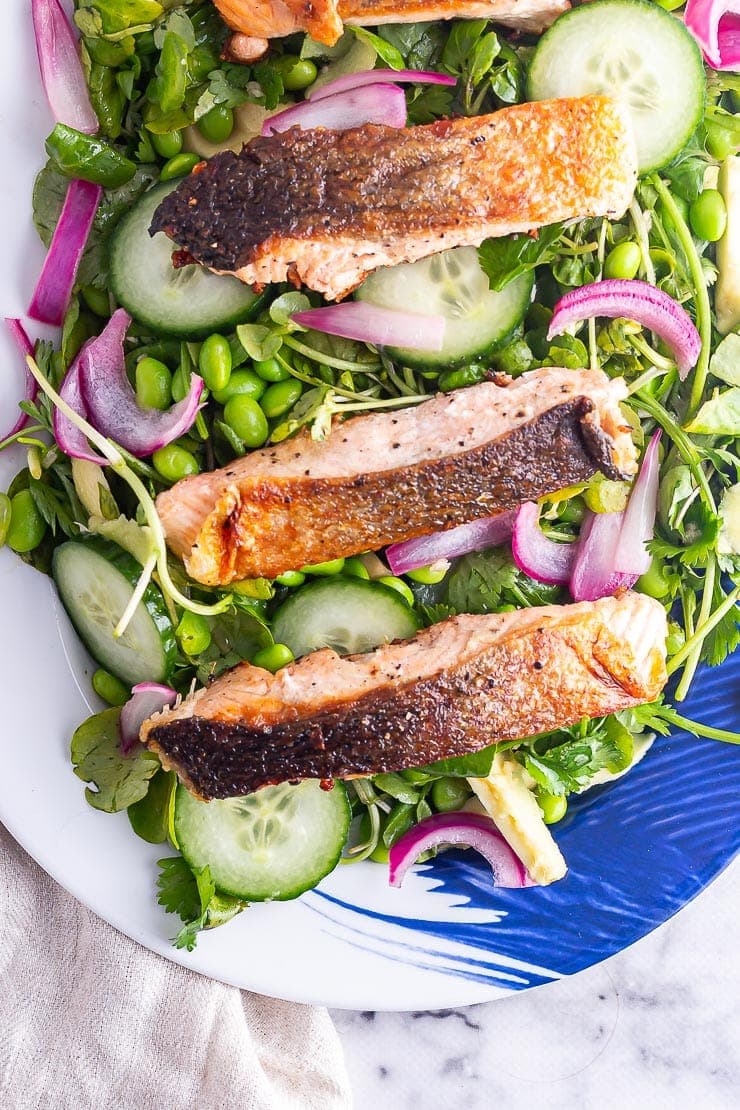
point(89, 1019)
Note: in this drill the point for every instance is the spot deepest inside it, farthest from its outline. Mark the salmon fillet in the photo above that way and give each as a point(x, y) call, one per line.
point(324, 208)
point(456, 687)
point(323, 19)
point(385, 477)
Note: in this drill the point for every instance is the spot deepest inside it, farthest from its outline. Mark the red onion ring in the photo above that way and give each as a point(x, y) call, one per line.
point(594, 573)
point(381, 104)
point(68, 436)
point(379, 76)
point(475, 536)
point(638, 519)
point(30, 385)
point(147, 698)
point(715, 24)
point(541, 558)
point(54, 288)
point(470, 829)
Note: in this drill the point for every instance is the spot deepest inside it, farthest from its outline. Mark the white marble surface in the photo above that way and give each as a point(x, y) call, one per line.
point(657, 1026)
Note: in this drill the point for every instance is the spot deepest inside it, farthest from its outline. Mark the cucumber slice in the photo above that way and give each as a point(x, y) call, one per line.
point(350, 615)
point(636, 52)
point(273, 844)
point(451, 284)
point(96, 581)
point(191, 301)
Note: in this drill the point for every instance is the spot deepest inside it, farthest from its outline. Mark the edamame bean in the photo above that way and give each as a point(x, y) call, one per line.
point(449, 794)
point(280, 397)
point(153, 384)
point(241, 382)
point(217, 125)
point(167, 145)
point(291, 578)
point(4, 517)
point(325, 570)
point(110, 688)
point(174, 462)
point(297, 73)
point(623, 261)
point(720, 141)
point(355, 568)
point(246, 418)
point(193, 633)
point(27, 527)
point(214, 362)
point(271, 370)
point(179, 166)
point(553, 806)
point(399, 586)
point(431, 575)
point(654, 582)
point(274, 657)
point(97, 300)
point(708, 216)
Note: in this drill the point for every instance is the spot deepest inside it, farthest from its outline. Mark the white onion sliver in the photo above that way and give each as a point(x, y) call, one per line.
point(147, 698)
point(383, 327)
point(380, 104)
point(541, 558)
point(472, 830)
point(378, 76)
point(475, 536)
point(61, 69)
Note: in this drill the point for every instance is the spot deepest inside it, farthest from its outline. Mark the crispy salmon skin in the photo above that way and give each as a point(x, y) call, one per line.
point(323, 19)
point(386, 477)
point(325, 208)
point(456, 687)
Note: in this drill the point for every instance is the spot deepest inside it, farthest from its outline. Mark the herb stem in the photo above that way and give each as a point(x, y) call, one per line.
point(703, 630)
point(700, 634)
point(708, 731)
point(638, 222)
point(685, 447)
point(328, 360)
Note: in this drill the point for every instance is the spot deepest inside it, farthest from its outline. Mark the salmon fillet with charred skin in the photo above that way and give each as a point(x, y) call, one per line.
point(323, 19)
point(325, 208)
point(386, 477)
point(458, 686)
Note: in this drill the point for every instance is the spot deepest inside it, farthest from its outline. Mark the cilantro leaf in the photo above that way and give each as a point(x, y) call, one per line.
point(509, 257)
point(118, 780)
point(567, 766)
point(192, 895)
point(485, 580)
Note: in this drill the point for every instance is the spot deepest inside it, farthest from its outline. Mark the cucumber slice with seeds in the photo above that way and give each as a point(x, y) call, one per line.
point(273, 844)
point(636, 52)
point(191, 301)
point(450, 284)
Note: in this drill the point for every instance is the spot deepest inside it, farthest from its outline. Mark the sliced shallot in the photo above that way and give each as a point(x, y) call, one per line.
point(381, 104)
point(54, 288)
point(61, 69)
point(715, 24)
point(475, 536)
point(383, 327)
point(68, 436)
point(30, 385)
point(594, 573)
point(541, 558)
point(638, 519)
point(472, 830)
point(379, 76)
point(147, 698)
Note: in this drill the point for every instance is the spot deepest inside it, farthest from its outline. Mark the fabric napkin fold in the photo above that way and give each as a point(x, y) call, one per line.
point(90, 1019)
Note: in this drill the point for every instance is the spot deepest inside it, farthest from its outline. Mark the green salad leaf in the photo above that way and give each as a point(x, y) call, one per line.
point(505, 259)
point(193, 897)
point(116, 781)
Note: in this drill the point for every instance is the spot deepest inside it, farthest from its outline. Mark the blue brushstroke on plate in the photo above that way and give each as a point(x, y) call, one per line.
point(637, 851)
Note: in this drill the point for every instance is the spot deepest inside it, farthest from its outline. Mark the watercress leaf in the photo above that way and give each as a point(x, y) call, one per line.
point(720, 415)
point(725, 362)
point(462, 41)
point(384, 49)
point(507, 258)
point(285, 305)
point(420, 44)
point(483, 55)
point(473, 765)
point(116, 781)
point(399, 822)
point(149, 817)
point(258, 341)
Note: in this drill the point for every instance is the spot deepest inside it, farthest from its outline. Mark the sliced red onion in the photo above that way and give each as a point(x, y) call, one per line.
point(384, 104)
point(634, 300)
point(30, 385)
point(475, 536)
point(715, 24)
point(470, 829)
point(54, 289)
point(68, 436)
point(61, 69)
point(379, 76)
point(594, 573)
point(383, 327)
point(638, 523)
point(146, 699)
point(541, 558)
point(111, 402)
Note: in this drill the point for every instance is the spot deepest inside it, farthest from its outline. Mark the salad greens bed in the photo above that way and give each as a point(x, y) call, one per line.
point(161, 91)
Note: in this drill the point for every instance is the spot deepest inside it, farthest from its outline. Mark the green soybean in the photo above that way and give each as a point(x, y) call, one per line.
point(241, 382)
point(174, 462)
point(280, 397)
point(5, 508)
point(449, 794)
point(214, 362)
point(721, 142)
point(193, 633)
point(27, 527)
point(708, 216)
point(399, 586)
point(167, 145)
point(553, 806)
point(217, 125)
point(431, 575)
point(153, 384)
point(297, 73)
point(274, 657)
point(246, 418)
point(179, 166)
point(623, 261)
point(325, 570)
point(355, 568)
point(291, 578)
point(271, 370)
point(110, 688)
point(97, 300)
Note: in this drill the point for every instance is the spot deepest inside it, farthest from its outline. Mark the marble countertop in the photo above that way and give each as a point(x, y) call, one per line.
point(656, 1026)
